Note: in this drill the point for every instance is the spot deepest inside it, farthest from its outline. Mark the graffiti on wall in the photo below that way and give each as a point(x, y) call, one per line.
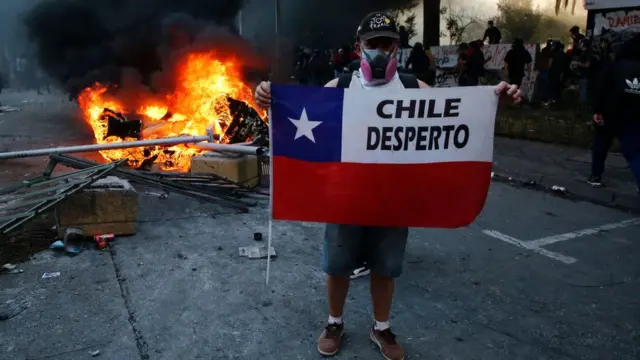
point(623, 20)
point(614, 26)
point(447, 58)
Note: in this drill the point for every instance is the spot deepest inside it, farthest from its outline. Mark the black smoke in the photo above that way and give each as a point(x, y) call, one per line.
point(80, 42)
point(315, 23)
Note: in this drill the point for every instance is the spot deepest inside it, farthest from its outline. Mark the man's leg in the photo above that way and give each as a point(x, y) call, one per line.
point(602, 139)
point(385, 255)
point(342, 247)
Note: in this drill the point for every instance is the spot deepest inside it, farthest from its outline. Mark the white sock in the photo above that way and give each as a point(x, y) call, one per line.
point(381, 325)
point(335, 320)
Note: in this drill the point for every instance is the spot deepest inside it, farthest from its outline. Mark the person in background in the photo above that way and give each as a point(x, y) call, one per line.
point(302, 61)
point(317, 65)
point(576, 37)
point(339, 62)
point(431, 72)
point(583, 68)
point(557, 66)
point(418, 62)
point(543, 63)
point(404, 38)
point(606, 54)
point(475, 64)
point(615, 111)
point(492, 34)
point(515, 62)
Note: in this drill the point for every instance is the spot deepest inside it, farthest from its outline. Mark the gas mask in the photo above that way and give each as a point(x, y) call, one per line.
point(378, 66)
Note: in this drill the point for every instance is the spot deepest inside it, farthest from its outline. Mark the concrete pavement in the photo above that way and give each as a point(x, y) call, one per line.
point(535, 277)
point(179, 290)
point(543, 166)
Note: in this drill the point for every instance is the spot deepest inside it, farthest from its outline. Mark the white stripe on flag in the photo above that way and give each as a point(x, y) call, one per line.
point(400, 138)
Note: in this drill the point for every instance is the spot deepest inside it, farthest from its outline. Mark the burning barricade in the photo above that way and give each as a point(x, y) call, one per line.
point(160, 137)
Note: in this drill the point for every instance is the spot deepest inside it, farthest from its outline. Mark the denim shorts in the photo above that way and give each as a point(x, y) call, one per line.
point(347, 247)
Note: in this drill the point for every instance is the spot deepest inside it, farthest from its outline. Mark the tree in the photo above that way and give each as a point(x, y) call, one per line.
point(565, 5)
point(518, 19)
point(410, 25)
point(431, 18)
point(409, 22)
point(457, 22)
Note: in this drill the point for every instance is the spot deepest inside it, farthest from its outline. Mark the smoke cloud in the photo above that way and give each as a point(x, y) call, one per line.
point(132, 41)
point(314, 23)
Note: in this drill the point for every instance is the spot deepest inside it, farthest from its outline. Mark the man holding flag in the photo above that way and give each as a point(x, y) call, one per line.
point(320, 172)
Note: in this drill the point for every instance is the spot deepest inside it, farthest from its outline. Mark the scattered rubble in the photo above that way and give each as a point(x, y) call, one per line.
point(49, 275)
point(256, 252)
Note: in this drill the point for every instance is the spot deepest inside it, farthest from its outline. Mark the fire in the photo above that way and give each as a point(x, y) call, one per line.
point(199, 102)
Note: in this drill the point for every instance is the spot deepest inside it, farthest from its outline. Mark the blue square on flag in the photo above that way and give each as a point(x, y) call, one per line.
point(307, 125)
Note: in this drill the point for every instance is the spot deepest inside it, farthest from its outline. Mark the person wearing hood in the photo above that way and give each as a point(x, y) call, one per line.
point(515, 62)
point(615, 111)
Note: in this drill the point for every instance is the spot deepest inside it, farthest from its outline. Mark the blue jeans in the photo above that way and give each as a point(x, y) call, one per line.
point(347, 247)
point(583, 88)
point(544, 86)
point(629, 137)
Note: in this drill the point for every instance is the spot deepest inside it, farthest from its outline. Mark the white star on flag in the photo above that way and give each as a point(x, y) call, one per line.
point(304, 127)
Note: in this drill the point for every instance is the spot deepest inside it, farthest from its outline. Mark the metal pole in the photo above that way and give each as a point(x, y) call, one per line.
point(240, 22)
point(96, 147)
point(277, 66)
point(232, 148)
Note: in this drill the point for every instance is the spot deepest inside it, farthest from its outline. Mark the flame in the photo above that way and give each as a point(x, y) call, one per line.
point(198, 103)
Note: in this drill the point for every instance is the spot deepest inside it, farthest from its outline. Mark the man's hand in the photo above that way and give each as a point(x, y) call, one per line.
point(510, 90)
point(598, 119)
point(263, 94)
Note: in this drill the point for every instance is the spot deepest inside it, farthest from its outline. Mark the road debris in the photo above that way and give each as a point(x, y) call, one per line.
point(11, 269)
point(95, 353)
point(22, 201)
point(7, 109)
point(207, 187)
point(559, 189)
point(256, 252)
point(49, 275)
point(257, 236)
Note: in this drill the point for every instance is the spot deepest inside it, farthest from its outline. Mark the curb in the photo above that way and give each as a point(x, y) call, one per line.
point(575, 191)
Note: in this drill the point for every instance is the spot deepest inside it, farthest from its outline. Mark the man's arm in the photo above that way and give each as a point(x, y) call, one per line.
point(422, 84)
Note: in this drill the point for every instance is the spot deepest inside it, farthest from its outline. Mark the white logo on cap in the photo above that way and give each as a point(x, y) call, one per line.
point(379, 21)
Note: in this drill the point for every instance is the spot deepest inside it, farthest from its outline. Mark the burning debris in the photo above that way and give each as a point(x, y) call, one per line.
point(209, 93)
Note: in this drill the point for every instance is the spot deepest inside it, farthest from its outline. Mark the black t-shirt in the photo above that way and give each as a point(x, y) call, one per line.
point(475, 64)
point(617, 91)
point(493, 34)
point(516, 60)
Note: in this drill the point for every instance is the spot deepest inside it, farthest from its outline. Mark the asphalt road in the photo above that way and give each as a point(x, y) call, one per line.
point(535, 277)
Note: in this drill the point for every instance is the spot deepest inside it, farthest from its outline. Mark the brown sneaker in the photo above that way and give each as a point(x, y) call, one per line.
point(386, 341)
point(329, 341)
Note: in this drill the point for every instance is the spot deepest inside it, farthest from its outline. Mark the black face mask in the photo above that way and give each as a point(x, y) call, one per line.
point(378, 66)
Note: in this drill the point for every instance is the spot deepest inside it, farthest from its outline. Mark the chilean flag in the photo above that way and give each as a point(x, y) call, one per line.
point(392, 157)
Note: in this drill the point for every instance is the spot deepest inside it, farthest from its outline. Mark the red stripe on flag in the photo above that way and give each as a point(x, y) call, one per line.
point(443, 195)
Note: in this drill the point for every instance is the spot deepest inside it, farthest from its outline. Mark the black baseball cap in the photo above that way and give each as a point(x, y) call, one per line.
point(377, 24)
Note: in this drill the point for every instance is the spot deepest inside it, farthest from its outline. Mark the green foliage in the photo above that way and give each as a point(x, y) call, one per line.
point(518, 19)
point(565, 4)
point(410, 25)
point(457, 24)
point(403, 16)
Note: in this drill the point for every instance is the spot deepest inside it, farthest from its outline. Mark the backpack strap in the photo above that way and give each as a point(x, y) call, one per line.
point(344, 81)
point(409, 81)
